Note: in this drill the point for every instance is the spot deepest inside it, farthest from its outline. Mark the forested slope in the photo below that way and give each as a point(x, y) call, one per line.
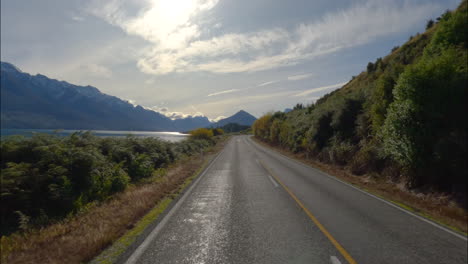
point(403, 119)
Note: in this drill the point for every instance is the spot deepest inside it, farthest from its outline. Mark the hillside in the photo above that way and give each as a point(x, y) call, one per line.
point(403, 119)
point(37, 101)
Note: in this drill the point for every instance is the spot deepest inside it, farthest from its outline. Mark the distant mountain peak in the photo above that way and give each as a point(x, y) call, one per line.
point(8, 67)
point(241, 117)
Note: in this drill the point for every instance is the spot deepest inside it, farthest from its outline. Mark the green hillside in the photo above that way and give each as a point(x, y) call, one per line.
point(403, 119)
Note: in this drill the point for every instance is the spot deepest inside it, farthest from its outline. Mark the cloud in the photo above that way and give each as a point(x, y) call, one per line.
point(217, 118)
point(318, 89)
point(223, 92)
point(180, 115)
point(77, 18)
point(173, 114)
point(235, 101)
point(150, 81)
point(97, 70)
point(267, 83)
point(166, 112)
point(178, 45)
point(167, 24)
point(299, 77)
point(132, 102)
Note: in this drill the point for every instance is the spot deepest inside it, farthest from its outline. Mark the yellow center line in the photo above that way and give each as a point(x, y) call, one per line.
point(337, 245)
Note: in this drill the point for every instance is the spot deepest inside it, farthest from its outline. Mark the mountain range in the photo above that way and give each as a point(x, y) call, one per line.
point(36, 101)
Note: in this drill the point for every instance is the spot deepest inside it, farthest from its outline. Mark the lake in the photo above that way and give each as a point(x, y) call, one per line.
point(169, 136)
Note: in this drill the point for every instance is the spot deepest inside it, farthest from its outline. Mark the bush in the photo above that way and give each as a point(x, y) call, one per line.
point(261, 126)
point(322, 130)
point(429, 112)
point(275, 131)
point(429, 24)
point(382, 96)
point(201, 133)
point(218, 132)
point(340, 152)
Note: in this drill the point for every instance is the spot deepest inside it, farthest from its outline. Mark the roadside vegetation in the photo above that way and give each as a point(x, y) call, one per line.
point(402, 121)
point(235, 128)
point(77, 194)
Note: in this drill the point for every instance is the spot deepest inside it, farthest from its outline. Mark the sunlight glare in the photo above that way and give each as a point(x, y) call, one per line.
point(176, 12)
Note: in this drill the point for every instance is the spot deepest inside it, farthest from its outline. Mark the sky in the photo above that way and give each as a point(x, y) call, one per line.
point(208, 57)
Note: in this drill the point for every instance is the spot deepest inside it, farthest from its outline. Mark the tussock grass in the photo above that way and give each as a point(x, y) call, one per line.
point(81, 237)
point(438, 207)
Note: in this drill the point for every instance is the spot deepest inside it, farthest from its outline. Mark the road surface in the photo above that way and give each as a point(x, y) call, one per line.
point(254, 205)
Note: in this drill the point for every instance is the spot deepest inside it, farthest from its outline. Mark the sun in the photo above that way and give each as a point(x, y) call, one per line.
point(176, 11)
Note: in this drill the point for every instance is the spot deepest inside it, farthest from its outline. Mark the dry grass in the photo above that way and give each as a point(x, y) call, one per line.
point(438, 207)
point(83, 236)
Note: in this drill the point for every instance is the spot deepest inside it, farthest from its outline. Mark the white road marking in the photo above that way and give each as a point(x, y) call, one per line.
point(369, 194)
point(334, 260)
point(273, 181)
point(269, 176)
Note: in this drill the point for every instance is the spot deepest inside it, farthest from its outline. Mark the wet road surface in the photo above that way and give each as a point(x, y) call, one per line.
point(253, 205)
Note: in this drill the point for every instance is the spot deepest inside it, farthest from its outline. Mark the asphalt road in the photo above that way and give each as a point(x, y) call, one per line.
point(253, 205)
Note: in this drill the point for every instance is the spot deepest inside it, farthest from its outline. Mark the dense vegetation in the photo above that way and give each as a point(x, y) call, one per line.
point(234, 128)
point(403, 119)
point(47, 177)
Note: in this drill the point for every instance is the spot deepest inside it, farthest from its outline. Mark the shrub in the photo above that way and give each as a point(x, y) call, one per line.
point(429, 24)
point(261, 126)
point(201, 133)
point(140, 167)
point(429, 111)
point(275, 131)
point(218, 132)
point(340, 152)
point(322, 130)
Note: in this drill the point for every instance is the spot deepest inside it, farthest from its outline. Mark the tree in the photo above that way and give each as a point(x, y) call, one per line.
point(261, 126)
point(298, 106)
point(275, 131)
point(428, 117)
point(429, 24)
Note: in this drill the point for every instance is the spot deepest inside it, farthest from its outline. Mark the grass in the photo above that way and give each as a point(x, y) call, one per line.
point(82, 237)
point(437, 207)
point(111, 254)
